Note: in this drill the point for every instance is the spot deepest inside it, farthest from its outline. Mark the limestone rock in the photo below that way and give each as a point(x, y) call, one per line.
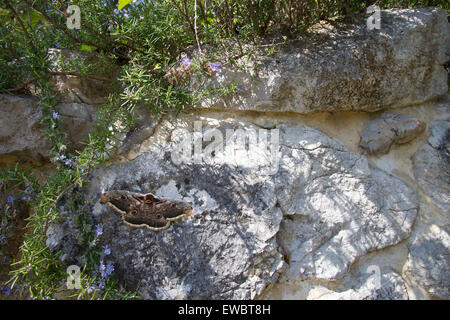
point(380, 133)
point(323, 204)
point(389, 286)
point(20, 129)
point(429, 263)
point(21, 133)
point(431, 165)
point(78, 120)
point(62, 237)
point(351, 69)
point(337, 207)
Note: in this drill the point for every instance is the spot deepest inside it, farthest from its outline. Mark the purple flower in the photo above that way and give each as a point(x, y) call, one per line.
point(186, 62)
point(82, 170)
point(10, 198)
point(7, 290)
point(68, 223)
point(106, 270)
point(106, 250)
point(55, 115)
point(67, 162)
point(100, 285)
point(99, 229)
point(102, 266)
point(239, 88)
point(215, 66)
point(109, 269)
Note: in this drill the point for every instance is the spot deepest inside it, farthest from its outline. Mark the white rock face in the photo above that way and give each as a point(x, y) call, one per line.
point(352, 69)
point(429, 262)
point(324, 207)
point(385, 286)
point(227, 249)
point(339, 209)
point(431, 165)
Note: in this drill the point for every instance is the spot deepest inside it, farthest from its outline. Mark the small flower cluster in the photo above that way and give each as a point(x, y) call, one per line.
point(6, 289)
point(106, 250)
point(11, 198)
point(68, 223)
point(68, 162)
point(105, 269)
point(98, 230)
point(214, 67)
point(183, 68)
point(180, 71)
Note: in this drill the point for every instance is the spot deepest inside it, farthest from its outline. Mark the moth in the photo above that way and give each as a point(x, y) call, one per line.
point(146, 210)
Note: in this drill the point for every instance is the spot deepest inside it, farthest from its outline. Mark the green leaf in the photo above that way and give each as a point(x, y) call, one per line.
point(86, 47)
point(35, 17)
point(123, 3)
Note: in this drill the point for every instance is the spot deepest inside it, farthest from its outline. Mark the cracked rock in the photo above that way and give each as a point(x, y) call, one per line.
point(429, 263)
point(323, 204)
point(349, 68)
point(388, 285)
point(380, 133)
point(338, 208)
point(431, 165)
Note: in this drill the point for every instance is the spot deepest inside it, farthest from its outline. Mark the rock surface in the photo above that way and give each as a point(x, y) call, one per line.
point(339, 207)
point(380, 133)
point(429, 262)
point(20, 129)
point(389, 286)
point(323, 204)
point(21, 133)
point(351, 69)
point(226, 250)
point(78, 119)
point(431, 165)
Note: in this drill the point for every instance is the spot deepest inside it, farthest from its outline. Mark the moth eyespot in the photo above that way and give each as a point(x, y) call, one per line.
point(133, 212)
point(123, 197)
point(158, 216)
